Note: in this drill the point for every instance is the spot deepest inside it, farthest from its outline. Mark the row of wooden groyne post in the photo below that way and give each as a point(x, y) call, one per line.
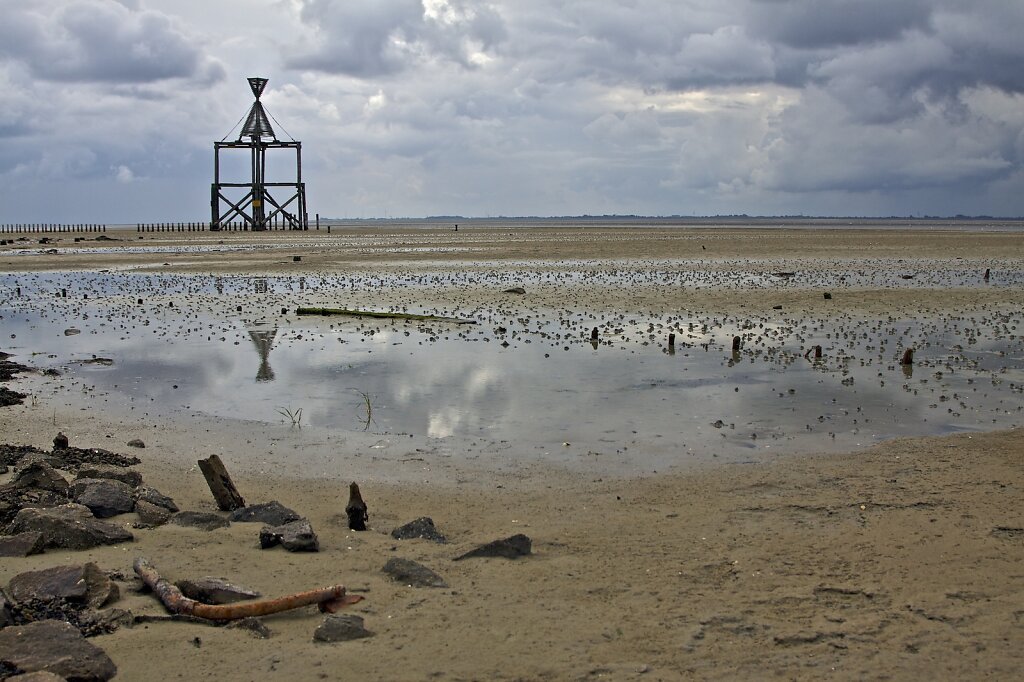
point(50, 228)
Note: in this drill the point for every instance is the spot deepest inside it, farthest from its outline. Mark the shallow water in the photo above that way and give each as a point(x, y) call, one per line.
point(626, 400)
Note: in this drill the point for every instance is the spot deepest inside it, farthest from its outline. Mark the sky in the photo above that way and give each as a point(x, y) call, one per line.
point(413, 108)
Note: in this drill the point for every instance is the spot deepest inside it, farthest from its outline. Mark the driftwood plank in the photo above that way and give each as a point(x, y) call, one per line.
point(224, 491)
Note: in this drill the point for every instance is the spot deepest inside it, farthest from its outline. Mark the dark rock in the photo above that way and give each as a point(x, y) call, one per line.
point(150, 514)
point(85, 584)
point(154, 496)
point(22, 544)
point(271, 513)
point(103, 496)
point(422, 527)
point(339, 627)
point(135, 443)
point(5, 610)
point(69, 526)
point(60, 441)
point(200, 519)
point(215, 591)
point(9, 397)
point(409, 572)
point(57, 647)
point(39, 475)
point(515, 290)
point(297, 536)
point(129, 477)
point(510, 548)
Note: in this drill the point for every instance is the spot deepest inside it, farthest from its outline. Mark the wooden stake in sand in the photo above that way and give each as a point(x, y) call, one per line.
point(356, 509)
point(329, 599)
point(224, 491)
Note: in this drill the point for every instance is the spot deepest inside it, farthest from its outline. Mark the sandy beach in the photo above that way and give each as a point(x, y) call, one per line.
point(898, 561)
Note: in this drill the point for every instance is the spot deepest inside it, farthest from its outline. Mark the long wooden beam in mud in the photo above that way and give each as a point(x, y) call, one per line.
point(380, 315)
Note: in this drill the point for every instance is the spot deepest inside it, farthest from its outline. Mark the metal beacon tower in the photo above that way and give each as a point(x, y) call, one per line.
point(259, 202)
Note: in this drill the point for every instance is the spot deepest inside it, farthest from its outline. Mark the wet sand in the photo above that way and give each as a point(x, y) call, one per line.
point(900, 562)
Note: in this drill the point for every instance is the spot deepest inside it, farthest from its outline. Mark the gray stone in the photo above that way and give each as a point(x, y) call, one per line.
point(22, 544)
point(296, 536)
point(128, 476)
point(154, 496)
point(57, 647)
point(69, 526)
point(103, 496)
point(135, 443)
point(422, 528)
point(211, 590)
point(409, 572)
point(271, 513)
point(39, 474)
point(509, 548)
point(85, 584)
point(200, 519)
point(339, 627)
point(150, 514)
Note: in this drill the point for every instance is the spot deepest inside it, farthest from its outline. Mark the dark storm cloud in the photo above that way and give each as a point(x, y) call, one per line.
point(811, 24)
point(99, 41)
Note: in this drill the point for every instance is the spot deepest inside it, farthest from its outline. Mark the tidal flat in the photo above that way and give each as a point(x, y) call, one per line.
point(697, 509)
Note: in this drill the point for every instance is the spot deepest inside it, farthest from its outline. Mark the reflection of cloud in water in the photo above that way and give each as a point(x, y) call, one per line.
point(620, 396)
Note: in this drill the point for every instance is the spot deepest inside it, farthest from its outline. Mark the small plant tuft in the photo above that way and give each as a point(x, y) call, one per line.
point(295, 416)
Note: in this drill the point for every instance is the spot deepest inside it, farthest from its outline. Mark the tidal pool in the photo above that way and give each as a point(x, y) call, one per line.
point(519, 380)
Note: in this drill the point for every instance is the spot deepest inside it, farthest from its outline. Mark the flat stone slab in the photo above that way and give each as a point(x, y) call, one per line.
point(409, 572)
point(85, 584)
point(341, 628)
point(22, 544)
point(69, 526)
point(210, 590)
point(154, 496)
point(512, 547)
point(56, 647)
point(200, 519)
point(129, 477)
point(271, 513)
point(297, 536)
point(421, 528)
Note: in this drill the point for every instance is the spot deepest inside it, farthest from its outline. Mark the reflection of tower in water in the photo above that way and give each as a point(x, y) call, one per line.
point(263, 339)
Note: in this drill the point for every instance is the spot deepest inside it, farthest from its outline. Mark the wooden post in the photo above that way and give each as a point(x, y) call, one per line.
point(356, 509)
point(224, 491)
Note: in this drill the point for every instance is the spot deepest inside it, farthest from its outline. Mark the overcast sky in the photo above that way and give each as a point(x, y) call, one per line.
point(109, 109)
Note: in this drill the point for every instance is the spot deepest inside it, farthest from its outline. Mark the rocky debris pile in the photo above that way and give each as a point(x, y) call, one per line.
point(39, 498)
